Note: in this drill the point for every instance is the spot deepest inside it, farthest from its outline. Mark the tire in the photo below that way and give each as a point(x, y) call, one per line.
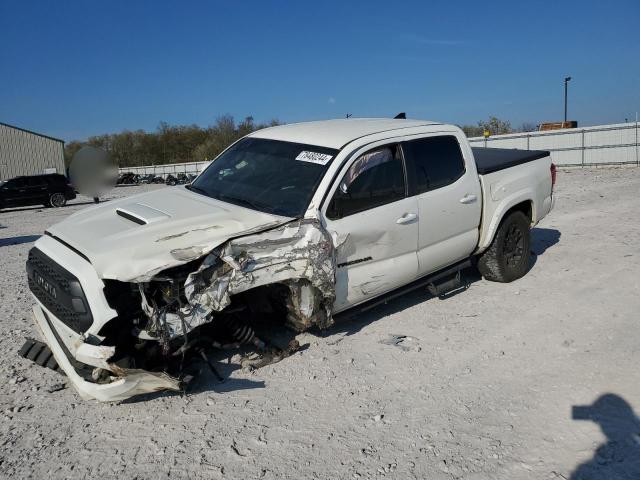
point(507, 258)
point(57, 200)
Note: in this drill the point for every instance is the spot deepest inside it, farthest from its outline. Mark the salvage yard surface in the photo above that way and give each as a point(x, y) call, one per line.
point(481, 384)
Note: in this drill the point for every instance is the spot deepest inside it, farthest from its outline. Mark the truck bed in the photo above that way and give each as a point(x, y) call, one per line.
point(490, 160)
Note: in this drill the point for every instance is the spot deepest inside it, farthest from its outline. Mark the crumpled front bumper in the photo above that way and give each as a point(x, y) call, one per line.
point(130, 383)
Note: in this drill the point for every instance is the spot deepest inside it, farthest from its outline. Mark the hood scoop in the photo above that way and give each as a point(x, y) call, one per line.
point(141, 214)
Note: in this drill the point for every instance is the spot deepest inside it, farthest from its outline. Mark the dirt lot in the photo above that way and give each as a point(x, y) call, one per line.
point(482, 386)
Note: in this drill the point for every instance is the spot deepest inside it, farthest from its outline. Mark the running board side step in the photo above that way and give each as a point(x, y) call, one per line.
point(442, 288)
point(440, 281)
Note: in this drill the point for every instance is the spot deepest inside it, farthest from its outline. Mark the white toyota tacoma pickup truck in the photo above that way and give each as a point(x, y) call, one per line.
point(291, 224)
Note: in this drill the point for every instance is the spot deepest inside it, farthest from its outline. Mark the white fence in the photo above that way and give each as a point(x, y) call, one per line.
point(615, 144)
point(168, 169)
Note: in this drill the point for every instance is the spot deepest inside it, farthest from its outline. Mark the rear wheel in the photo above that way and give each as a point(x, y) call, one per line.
point(57, 200)
point(507, 258)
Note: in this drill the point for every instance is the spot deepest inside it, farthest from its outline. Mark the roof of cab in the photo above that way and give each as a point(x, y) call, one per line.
point(336, 133)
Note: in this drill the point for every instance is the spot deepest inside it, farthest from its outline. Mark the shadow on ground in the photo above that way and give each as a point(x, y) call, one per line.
point(352, 324)
point(541, 240)
point(41, 207)
point(203, 382)
point(619, 457)
point(5, 242)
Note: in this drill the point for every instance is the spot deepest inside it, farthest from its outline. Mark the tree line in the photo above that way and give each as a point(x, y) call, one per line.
point(495, 126)
point(169, 143)
point(192, 143)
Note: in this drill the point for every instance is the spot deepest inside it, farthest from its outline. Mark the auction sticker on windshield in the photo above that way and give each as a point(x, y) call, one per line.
point(314, 157)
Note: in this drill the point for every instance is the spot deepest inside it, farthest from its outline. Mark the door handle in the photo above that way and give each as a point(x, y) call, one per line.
point(468, 199)
point(406, 218)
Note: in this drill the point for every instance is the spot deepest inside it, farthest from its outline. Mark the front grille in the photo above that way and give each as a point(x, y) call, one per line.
point(59, 291)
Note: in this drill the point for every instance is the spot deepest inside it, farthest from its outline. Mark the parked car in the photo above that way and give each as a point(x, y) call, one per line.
point(145, 178)
point(149, 178)
point(171, 180)
point(178, 179)
point(50, 190)
point(127, 178)
point(298, 224)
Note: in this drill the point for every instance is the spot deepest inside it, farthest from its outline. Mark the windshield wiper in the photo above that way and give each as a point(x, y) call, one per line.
point(231, 199)
point(197, 189)
point(244, 202)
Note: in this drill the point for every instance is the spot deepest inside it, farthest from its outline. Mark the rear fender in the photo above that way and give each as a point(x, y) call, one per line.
point(496, 215)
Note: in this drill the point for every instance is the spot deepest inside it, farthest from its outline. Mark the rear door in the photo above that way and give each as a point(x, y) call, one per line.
point(38, 190)
point(375, 225)
point(444, 179)
point(57, 184)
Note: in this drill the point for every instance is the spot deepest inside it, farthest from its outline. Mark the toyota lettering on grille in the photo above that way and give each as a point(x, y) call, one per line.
point(45, 285)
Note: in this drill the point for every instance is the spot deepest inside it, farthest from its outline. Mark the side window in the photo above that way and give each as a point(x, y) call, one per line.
point(54, 180)
point(36, 182)
point(374, 179)
point(16, 183)
point(436, 161)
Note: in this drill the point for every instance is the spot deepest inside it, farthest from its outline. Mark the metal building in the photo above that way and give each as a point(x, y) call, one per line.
point(23, 152)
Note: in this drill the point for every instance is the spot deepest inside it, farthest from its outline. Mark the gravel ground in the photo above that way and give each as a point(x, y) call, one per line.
point(481, 386)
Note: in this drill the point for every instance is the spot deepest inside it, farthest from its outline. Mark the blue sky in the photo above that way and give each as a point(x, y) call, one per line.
point(73, 69)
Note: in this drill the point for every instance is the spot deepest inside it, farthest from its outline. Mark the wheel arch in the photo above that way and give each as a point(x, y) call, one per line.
point(523, 203)
point(525, 207)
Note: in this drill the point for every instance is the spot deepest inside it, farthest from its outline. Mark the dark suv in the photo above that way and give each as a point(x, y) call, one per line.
point(51, 190)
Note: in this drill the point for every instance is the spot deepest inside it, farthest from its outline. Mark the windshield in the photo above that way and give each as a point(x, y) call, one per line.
point(267, 175)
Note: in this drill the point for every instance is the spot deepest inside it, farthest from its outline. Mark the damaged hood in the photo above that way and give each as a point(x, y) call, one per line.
point(134, 238)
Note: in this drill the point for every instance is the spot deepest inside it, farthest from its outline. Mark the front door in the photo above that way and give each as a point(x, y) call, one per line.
point(375, 225)
point(15, 192)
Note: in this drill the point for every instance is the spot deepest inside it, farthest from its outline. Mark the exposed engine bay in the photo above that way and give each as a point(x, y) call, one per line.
point(231, 298)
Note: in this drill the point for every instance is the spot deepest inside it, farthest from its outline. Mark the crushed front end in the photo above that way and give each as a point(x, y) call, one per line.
point(119, 337)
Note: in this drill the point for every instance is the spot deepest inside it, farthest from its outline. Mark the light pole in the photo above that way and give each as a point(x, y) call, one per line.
point(566, 83)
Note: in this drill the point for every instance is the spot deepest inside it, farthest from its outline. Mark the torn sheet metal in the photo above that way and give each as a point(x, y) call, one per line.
point(175, 219)
point(147, 381)
point(299, 255)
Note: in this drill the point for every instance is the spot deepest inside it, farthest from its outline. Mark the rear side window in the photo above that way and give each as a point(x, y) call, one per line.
point(435, 161)
point(56, 180)
point(36, 181)
point(374, 179)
